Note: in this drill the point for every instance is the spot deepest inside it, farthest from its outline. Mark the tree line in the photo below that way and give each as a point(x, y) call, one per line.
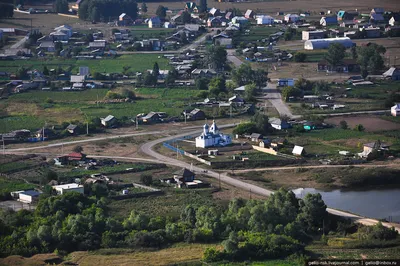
point(104, 10)
point(249, 229)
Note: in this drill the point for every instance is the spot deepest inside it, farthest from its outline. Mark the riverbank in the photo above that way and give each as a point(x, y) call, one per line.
point(353, 178)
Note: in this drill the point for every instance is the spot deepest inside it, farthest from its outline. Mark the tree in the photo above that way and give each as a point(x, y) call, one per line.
point(126, 93)
point(359, 127)
point(61, 6)
point(203, 6)
point(354, 52)
point(217, 86)
point(335, 55)
point(45, 71)
point(216, 56)
point(83, 10)
point(161, 12)
point(21, 73)
point(245, 128)
point(156, 70)
point(243, 75)
point(144, 7)
point(370, 58)
point(260, 78)
point(304, 84)
point(146, 179)
point(149, 79)
point(300, 57)
point(95, 14)
point(250, 92)
point(78, 149)
point(288, 92)
point(312, 211)
point(343, 124)
point(261, 122)
point(202, 83)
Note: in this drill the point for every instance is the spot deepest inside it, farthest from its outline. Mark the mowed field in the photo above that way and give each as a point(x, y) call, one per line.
point(371, 124)
point(271, 7)
point(136, 62)
point(29, 110)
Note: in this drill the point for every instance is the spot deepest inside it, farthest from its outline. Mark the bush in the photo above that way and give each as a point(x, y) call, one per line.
point(300, 57)
point(146, 179)
point(343, 124)
point(212, 255)
point(359, 128)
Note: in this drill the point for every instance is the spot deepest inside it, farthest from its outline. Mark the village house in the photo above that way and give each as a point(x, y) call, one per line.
point(152, 117)
point(327, 21)
point(256, 137)
point(28, 196)
point(71, 158)
point(236, 100)
point(346, 16)
point(108, 121)
point(229, 15)
point(347, 65)
point(239, 21)
point(264, 143)
point(97, 44)
point(393, 73)
point(214, 22)
point(291, 18)
point(124, 20)
point(376, 146)
point(195, 114)
point(211, 137)
point(249, 14)
point(372, 32)
point(395, 110)
point(72, 129)
point(310, 35)
point(72, 187)
point(264, 20)
point(278, 123)
point(47, 46)
point(278, 143)
point(285, 82)
point(203, 73)
point(154, 22)
point(214, 12)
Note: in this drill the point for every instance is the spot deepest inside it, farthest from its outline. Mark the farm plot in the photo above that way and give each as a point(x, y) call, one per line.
point(371, 124)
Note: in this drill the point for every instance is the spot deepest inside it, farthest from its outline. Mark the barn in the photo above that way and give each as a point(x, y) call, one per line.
point(324, 43)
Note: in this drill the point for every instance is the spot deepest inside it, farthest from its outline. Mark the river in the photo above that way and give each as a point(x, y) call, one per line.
point(378, 204)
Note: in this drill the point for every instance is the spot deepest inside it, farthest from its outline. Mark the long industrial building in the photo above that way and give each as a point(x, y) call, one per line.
point(324, 43)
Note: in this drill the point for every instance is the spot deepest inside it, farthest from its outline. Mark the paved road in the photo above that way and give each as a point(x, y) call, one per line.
point(232, 58)
point(272, 94)
point(147, 148)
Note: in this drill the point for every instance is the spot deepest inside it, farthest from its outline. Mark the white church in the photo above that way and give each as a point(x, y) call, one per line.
point(211, 137)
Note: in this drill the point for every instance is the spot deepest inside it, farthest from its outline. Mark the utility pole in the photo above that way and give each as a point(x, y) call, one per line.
point(230, 109)
point(137, 123)
point(4, 148)
point(219, 178)
point(87, 128)
point(250, 193)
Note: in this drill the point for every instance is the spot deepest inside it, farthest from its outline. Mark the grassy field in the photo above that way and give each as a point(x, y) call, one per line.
point(137, 62)
point(7, 186)
point(257, 33)
point(29, 110)
point(171, 204)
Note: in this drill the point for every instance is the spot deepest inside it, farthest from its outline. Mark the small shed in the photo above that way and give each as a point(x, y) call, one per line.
point(255, 137)
point(29, 196)
point(110, 120)
point(298, 150)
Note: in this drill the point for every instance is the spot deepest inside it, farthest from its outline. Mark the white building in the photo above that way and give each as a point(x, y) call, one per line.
point(395, 110)
point(212, 137)
point(29, 196)
point(324, 43)
point(292, 18)
point(298, 150)
point(265, 20)
point(61, 189)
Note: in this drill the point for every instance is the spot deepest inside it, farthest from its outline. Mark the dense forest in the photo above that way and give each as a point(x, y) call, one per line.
point(249, 229)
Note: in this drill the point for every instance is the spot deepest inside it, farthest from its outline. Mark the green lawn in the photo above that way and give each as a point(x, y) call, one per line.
point(137, 62)
point(30, 111)
point(257, 33)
